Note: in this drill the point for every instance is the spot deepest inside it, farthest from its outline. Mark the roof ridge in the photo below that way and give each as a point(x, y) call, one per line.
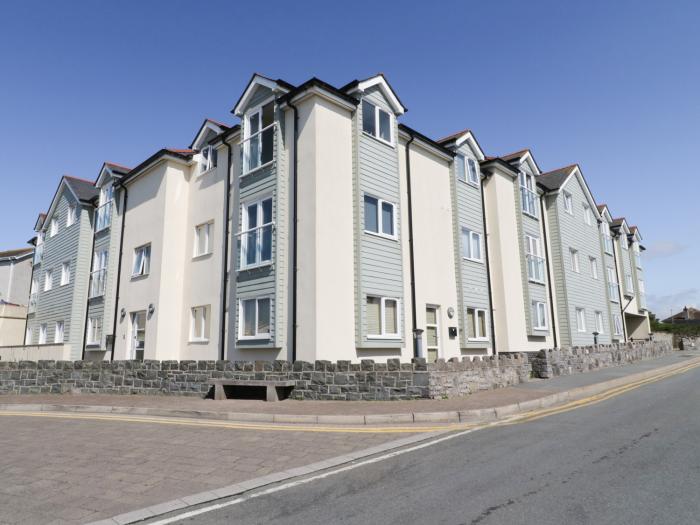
point(78, 178)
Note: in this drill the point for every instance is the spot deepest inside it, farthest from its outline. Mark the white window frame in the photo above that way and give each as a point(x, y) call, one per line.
point(629, 282)
point(575, 262)
point(568, 203)
point(599, 322)
point(205, 228)
point(580, 320)
point(42, 333)
point(241, 319)
point(533, 251)
point(594, 267)
point(607, 238)
point(203, 336)
point(48, 279)
point(65, 274)
point(53, 227)
point(528, 194)
point(472, 175)
point(58, 334)
point(206, 154)
point(377, 111)
point(257, 111)
point(469, 239)
point(477, 327)
point(71, 216)
point(144, 268)
point(539, 316)
point(380, 218)
point(382, 318)
point(587, 215)
point(98, 276)
point(259, 229)
point(617, 322)
point(94, 325)
point(613, 285)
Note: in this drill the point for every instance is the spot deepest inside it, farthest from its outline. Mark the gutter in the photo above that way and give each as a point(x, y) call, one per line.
point(294, 227)
point(224, 271)
point(87, 300)
point(488, 267)
point(119, 273)
point(417, 350)
point(550, 284)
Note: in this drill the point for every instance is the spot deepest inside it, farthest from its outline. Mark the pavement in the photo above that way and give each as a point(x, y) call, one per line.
point(79, 466)
point(631, 459)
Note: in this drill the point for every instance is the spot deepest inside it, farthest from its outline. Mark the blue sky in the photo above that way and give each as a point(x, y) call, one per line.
point(610, 85)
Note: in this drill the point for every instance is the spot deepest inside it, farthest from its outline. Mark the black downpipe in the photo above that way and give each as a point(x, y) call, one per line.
point(224, 271)
point(414, 311)
point(87, 300)
point(488, 269)
point(619, 296)
point(119, 274)
point(295, 216)
point(26, 319)
point(550, 281)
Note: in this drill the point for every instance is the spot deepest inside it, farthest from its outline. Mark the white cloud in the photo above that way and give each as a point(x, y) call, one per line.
point(664, 249)
point(663, 305)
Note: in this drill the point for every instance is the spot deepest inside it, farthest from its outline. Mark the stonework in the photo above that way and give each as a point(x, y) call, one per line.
point(322, 380)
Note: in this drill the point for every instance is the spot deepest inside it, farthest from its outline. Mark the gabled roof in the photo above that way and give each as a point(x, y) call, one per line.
point(634, 231)
point(255, 81)
point(459, 138)
point(605, 212)
point(207, 125)
point(386, 89)
point(181, 154)
point(555, 179)
point(84, 190)
point(522, 156)
point(621, 223)
point(111, 169)
point(16, 254)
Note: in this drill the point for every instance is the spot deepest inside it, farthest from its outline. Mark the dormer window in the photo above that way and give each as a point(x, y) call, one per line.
point(53, 227)
point(104, 211)
point(259, 137)
point(209, 159)
point(376, 122)
point(528, 196)
point(70, 217)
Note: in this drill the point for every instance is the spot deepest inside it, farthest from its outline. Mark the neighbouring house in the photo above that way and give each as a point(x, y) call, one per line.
point(688, 315)
point(15, 279)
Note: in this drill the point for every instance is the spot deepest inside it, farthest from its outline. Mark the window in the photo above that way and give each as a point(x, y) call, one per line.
point(471, 245)
point(432, 335)
point(587, 216)
point(637, 255)
point(599, 326)
point(199, 323)
point(568, 203)
point(259, 139)
point(34, 287)
point(528, 196)
point(58, 332)
point(580, 319)
point(376, 122)
point(624, 242)
point(142, 261)
point(104, 211)
point(254, 318)
point(617, 320)
point(256, 234)
point(28, 336)
point(382, 317)
point(65, 273)
point(202, 239)
point(380, 217)
point(98, 277)
point(138, 335)
point(48, 280)
point(42, 334)
point(612, 285)
point(476, 324)
point(71, 215)
point(535, 261)
point(629, 283)
point(607, 238)
point(471, 168)
point(94, 331)
point(594, 267)
point(53, 227)
point(208, 160)
point(539, 315)
point(575, 265)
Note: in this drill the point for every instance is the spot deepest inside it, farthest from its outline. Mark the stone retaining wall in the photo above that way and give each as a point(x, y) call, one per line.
point(575, 360)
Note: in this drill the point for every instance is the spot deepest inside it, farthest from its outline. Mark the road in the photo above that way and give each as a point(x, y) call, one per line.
point(633, 459)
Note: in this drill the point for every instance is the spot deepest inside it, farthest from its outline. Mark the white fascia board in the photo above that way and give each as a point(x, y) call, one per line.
point(380, 81)
point(256, 81)
point(426, 146)
point(54, 201)
point(469, 138)
point(327, 95)
point(165, 158)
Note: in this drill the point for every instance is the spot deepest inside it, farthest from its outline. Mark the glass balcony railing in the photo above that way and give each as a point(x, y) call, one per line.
point(98, 281)
point(259, 149)
point(104, 217)
point(535, 268)
point(529, 201)
point(613, 292)
point(32, 303)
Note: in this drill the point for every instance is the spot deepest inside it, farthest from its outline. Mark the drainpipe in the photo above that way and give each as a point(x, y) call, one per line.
point(26, 319)
point(488, 268)
point(87, 300)
point(295, 217)
point(549, 277)
point(224, 271)
point(619, 296)
point(417, 340)
point(119, 274)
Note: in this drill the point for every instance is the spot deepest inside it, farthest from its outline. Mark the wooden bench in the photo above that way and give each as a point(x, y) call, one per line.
point(271, 386)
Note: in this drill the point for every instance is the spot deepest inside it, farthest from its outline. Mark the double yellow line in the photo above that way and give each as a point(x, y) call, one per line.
point(231, 425)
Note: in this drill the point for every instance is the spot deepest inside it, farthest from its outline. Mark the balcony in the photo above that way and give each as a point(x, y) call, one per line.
point(32, 303)
point(613, 292)
point(104, 217)
point(529, 201)
point(259, 149)
point(535, 268)
point(98, 281)
point(638, 261)
point(38, 253)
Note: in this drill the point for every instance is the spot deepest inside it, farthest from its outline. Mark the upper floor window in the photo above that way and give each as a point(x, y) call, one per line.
point(65, 273)
point(468, 170)
point(612, 285)
point(202, 239)
point(256, 233)
point(209, 158)
point(587, 215)
point(568, 203)
point(528, 195)
point(259, 137)
point(625, 242)
point(199, 323)
point(48, 280)
point(535, 261)
point(629, 283)
point(575, 265)
point(377, 122)
point(382, 317)
point(380, 217)
point(71, 215)
point(53, 227)
point(142, 261)
point(98, 277)
point(607, 238)
point(40, 238)
point(594, 267)
point(471, 245)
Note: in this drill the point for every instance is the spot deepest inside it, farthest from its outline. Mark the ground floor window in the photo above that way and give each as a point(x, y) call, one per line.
point(580, 319)
point(476, 324)
point(599, 325)
point(432, 335)
point(382, 317)
point(94, 331)
point(58, 332)
point(254, 318)
point(28, 336)
point(199, 323)
point(539, 315)
point(42, 334)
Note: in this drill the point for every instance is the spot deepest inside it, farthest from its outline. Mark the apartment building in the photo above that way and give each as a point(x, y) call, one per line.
point(322, 228)
point(15, 279)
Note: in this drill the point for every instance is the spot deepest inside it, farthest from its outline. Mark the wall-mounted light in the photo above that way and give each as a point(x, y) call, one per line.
point(122, 313)
point(151, 309)
point(450, 312)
